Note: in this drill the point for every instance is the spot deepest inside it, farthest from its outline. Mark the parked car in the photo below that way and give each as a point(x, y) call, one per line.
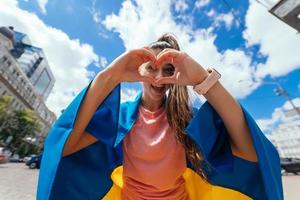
point(4, 155)
point(27, 158)
point(15, 158)
point(290, 165)
point(34, 162)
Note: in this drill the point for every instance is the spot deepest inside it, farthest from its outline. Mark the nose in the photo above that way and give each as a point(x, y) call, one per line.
point(158, 74)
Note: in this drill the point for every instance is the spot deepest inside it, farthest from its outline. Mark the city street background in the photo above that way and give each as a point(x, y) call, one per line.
point(18, 182)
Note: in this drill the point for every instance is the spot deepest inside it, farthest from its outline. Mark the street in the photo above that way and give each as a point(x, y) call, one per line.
point(18, 182)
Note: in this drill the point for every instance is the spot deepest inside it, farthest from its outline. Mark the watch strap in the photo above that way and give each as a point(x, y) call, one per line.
point(208, 82)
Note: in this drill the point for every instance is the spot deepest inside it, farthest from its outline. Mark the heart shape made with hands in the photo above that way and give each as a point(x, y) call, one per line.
point(148, 70)
point(166, 57)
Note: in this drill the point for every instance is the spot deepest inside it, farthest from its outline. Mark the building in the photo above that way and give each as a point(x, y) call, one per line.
point(288, 11)
point(34, 64)
point(26, 76)
point(286, 137)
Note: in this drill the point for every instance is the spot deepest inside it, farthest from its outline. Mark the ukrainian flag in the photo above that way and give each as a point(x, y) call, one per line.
point(95, 172)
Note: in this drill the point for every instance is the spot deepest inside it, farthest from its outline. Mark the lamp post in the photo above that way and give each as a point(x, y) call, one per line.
point(280, 91)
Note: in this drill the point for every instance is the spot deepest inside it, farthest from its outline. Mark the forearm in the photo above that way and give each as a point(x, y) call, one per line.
point(232, 115)
point(225, 105)
point(99, 89)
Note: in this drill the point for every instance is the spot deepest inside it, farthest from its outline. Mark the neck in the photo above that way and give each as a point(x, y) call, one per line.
point(150, 104)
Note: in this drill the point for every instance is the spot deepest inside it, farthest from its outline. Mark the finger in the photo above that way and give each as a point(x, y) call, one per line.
point(160, 54)
point(177, 76)
point(142, 69)
point(165, 80)
point(167, 62)
point(152, 58)
point(169, 80)
point(146, 78)
point(147, 55)
point(167, 56)
point(163, 51)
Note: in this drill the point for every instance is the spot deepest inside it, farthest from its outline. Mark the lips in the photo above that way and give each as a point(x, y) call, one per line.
point(158, 90)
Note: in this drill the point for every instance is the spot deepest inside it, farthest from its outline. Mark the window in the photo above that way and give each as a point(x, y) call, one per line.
point(3, 59)
point(43, 82)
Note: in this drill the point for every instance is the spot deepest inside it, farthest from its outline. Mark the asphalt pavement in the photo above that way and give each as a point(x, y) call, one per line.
point(18, 182)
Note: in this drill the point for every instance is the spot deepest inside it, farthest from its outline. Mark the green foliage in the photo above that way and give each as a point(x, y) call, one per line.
point(18, 124)
point(23, 150)
point(5, 102)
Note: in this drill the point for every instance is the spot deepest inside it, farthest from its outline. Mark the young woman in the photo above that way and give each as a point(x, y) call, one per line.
point(157, 146)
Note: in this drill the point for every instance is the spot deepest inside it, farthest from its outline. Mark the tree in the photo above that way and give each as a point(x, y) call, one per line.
point(5, 102)
point(26, 124)
point(17, 123)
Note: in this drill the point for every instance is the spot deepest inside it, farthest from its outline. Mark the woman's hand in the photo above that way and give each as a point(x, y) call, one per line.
point(128, 67)
point(187, 70)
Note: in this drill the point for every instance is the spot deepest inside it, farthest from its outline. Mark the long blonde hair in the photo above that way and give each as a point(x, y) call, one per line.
point(179, 111)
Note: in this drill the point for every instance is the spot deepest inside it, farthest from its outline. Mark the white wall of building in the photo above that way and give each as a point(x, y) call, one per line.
point(287, 139)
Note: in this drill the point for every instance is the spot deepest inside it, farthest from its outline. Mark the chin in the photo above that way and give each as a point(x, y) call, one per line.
point(157, 93)
point(154, 93)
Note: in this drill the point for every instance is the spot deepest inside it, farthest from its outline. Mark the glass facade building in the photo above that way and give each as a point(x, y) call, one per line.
point(34, 64)
point(25, 76)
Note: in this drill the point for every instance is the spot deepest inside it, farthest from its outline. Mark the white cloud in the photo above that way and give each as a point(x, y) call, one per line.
point(201, 3)
point(68, 58)
point(102, 62)
point(138, 26)
point(128, 94)
point(42, 4)
point(91, 74)
point(181, 5)
point(95, 13)
point(278, 116)
point(96, 17)
point(211, 13)
point(222, 18)
point(288, 105)
point(226, 18)
point(278, 41)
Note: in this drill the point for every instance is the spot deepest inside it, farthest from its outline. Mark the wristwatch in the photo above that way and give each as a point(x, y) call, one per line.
point(208, 82)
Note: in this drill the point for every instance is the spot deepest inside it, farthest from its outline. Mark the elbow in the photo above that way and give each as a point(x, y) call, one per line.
point(246, 153)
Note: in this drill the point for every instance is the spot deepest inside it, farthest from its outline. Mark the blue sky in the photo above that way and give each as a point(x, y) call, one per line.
point(242, 40)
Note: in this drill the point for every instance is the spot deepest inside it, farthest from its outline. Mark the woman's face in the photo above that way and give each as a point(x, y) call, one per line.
point(155, 93)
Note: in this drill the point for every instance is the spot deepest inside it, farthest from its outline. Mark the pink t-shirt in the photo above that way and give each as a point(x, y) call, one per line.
point(154, 161)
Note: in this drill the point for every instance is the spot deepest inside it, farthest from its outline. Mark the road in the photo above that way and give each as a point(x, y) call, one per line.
point(18, 182)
